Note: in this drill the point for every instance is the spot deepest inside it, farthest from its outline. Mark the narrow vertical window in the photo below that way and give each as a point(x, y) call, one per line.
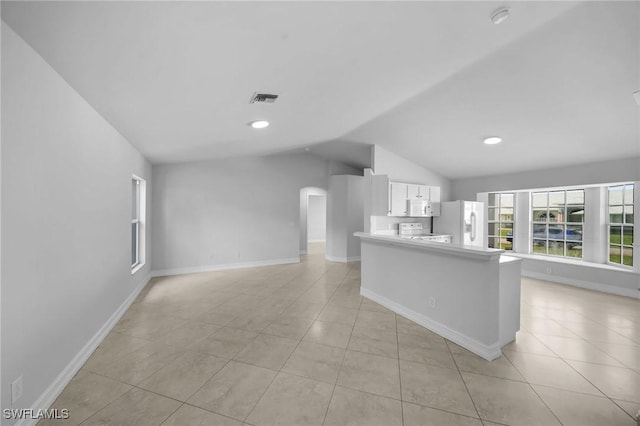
point(138, 197)
point(500, 220)
point(620, 223)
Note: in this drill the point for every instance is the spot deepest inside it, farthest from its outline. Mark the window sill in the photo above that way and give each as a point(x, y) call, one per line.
point(136, 268)
point(573, 262)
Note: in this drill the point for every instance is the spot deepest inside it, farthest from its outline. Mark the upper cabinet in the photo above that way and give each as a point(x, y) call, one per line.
point(398, 199)
point(390, 198)
point(419, 192)
point(434, 194)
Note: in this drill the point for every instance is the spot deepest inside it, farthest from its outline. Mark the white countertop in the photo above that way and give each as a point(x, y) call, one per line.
point(454, 249)
point(509, 259)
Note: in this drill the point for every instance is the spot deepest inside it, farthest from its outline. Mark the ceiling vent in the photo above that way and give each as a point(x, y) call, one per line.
point(263, 98)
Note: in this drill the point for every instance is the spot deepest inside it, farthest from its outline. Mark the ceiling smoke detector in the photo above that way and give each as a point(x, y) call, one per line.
point(263, 98)
point(500, 15)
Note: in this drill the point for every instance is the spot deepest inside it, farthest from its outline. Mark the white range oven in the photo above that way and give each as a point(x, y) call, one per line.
point(414, 231)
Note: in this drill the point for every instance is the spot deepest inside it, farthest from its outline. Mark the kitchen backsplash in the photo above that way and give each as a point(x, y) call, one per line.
point(389, 224)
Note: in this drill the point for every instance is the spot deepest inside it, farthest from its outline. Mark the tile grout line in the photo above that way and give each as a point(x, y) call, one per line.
point(344, 356)
point(395, 318)
point(314, 319)
point(534, 391)
point(294, 349)
point(105, 406)
point(544, 402)
point(174, 411)
point(578, 337)
point(228, 360)
point(572, 368)
point(346, 277)
point(586, 379)
point(211, 411)
point(566, 360)
point(463, 381)
point(549, 386)
point(625, 411)
point(167, 396)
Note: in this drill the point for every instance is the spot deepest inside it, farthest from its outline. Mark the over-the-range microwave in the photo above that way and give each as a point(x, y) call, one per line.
point(422, 208)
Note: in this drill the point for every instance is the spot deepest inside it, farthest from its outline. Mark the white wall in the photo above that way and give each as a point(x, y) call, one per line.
point(355, 206)
point(317, 218)
point(66, 218)
point(243, 211)
point(344, 217)
point(401, 169)
point(335, 246)
point(627, 169)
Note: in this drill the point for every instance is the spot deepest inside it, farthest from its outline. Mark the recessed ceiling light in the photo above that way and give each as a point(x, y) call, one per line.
point(259, 124)
point(500, 15)
point(492, 140)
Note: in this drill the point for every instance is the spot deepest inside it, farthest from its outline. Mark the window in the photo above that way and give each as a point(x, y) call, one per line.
point(620, 212)
point(500, 220)
point(558, 217)
point(138, 197)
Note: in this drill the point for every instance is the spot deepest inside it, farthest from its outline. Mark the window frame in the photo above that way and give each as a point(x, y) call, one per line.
point(138, 213)
point(623, 224)
point(500, 222)
point(564, 224)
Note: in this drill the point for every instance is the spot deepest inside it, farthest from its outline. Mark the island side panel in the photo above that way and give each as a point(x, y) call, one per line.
point(465, 291)
point(510, 283)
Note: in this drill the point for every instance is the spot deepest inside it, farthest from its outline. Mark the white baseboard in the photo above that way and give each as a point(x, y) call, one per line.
point(588, 285)
point(342, 259)
point(53, 391)
point(488, 352)
point(303, 252)
point(210, 268)
point(316, 241)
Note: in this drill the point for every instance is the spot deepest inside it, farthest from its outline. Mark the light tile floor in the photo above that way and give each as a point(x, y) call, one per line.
point(297, 345)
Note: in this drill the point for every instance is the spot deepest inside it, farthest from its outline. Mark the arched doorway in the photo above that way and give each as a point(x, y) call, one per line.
point(313, 219)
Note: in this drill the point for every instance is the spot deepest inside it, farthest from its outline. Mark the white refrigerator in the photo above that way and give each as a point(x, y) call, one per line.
point(463, 220)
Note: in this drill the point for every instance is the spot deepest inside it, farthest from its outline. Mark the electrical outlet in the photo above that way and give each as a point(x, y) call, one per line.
point(549, 271)
point(16, 389)
point(432, 302)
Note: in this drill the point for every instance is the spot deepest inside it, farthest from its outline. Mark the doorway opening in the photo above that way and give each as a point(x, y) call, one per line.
point(313, 220)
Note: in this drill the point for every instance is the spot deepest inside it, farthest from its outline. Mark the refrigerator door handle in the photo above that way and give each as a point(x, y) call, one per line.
point(473, 226)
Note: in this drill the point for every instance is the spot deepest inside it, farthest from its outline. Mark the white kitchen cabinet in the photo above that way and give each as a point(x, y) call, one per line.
point(390, 198)
point(434, 194)
point(398, 198)
point(422, 192)
point(413, 191)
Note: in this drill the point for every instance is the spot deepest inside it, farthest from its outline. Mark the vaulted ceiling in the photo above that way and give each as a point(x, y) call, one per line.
point(427, 80)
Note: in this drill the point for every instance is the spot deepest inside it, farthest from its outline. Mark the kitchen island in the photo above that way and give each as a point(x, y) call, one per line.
point(469, 295)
